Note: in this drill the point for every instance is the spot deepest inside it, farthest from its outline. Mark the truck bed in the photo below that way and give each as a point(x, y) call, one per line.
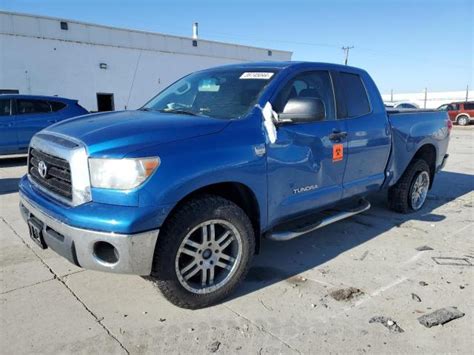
point(411, 130)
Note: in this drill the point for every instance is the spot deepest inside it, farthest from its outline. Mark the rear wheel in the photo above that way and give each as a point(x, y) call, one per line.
point(410, 192)
point(203, 252)
point(463, 120)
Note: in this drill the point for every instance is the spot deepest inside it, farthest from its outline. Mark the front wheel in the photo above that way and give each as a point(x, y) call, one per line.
point(203, 252)
point(410, 192)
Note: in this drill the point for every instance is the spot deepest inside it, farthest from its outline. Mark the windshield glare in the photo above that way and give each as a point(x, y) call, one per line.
point(219, 93)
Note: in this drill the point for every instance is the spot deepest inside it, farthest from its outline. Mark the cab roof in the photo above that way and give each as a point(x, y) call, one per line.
point(284, 65)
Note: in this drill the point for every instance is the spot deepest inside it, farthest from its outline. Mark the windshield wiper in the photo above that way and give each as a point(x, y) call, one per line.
point(182, 112)
point(148, 109)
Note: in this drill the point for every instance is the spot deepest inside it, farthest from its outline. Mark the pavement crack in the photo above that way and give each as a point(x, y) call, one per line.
point(261, 328)
point(27, 286)
point(62, 281)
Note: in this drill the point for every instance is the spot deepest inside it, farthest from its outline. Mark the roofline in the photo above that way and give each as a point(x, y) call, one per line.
point(135, 30)
point(51, 97)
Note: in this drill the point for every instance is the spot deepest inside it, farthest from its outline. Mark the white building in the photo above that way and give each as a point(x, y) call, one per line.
point(104, 66)
point(431, 100)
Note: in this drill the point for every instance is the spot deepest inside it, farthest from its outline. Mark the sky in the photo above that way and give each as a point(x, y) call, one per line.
point(406, 46)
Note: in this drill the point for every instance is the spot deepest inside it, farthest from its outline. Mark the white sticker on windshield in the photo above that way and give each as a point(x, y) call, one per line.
point(256, 75)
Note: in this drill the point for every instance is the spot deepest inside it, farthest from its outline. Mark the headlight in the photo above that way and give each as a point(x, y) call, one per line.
point(121, 174)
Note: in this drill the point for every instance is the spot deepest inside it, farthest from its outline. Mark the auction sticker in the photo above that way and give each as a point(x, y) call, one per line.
point(337, 152)
point(256, 75)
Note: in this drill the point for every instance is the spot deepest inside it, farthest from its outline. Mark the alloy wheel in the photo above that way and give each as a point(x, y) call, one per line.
point(419, 190)
point(208, 256)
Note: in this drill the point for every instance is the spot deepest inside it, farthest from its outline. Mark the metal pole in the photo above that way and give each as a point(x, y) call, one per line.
point(391, 95)
point(426, 96)
point(346, 51)
point(467, 93)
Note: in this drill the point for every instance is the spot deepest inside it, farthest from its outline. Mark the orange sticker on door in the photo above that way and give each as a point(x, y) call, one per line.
point(337, 152)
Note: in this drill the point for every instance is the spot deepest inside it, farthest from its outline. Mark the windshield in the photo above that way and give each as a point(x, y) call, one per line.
point(215, 93)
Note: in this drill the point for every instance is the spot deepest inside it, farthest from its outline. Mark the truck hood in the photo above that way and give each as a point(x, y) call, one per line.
point(115, 134)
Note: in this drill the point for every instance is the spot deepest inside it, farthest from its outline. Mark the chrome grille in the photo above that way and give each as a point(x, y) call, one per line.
point(58, 173)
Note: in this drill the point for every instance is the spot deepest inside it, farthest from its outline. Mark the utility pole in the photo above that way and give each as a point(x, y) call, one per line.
point(426, 96)
point(467, 93)
point(346, 51)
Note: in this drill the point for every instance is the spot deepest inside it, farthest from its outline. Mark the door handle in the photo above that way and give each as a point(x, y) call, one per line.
point(337, 135)
point(52, 121)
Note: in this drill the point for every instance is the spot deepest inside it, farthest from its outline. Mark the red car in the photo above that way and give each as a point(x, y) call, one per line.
point(459, 112)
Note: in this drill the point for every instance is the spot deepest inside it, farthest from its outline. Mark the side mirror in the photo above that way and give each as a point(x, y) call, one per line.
point(303, 109)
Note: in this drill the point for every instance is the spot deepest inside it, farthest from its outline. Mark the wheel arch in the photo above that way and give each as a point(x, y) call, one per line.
point(237, 192)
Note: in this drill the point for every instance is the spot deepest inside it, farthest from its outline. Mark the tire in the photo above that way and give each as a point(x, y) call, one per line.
point(463, 120)
point(185, 242)
point(401, 196)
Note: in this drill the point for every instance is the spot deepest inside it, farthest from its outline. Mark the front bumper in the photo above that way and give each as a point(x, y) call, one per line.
point(89, 249)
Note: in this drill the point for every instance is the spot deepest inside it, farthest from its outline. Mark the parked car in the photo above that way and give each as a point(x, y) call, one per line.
point(219, 160)
point(402, 106)
point(21, 116)
point(459, 112)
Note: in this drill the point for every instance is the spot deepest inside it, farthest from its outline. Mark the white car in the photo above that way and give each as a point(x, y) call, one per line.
point(402, 105)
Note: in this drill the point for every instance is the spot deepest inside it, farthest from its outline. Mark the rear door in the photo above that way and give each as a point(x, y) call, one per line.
point(32, 116)
point(304, 172)
point(469, 108)
point(369, 134)
point(8, 134)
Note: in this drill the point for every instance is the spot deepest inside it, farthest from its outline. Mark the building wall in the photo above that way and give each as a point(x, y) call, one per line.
point(37, 57)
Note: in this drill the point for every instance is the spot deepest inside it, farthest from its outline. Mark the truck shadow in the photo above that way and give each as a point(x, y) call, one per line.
point(280, 261)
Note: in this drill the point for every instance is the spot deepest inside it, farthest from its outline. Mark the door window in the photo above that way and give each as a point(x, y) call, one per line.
point(5, 107)
point(356, 98)
point(469, 106)
point(32, 106)
point(314, 84)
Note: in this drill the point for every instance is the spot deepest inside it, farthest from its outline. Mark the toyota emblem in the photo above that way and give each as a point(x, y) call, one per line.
point(42, 169)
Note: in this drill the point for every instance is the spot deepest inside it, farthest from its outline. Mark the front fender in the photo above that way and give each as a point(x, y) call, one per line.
point(187, 166)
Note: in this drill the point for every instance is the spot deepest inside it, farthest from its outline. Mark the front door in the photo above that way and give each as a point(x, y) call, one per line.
point(306, 163)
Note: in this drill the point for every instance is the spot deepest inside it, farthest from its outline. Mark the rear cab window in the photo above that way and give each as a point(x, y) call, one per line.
point(355, 95)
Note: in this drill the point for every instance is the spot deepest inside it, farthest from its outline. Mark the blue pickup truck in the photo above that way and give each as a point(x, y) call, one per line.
point(182, 190)
point(21, 116)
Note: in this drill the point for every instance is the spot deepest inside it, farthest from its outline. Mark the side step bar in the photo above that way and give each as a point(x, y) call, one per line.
point(290, 234)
